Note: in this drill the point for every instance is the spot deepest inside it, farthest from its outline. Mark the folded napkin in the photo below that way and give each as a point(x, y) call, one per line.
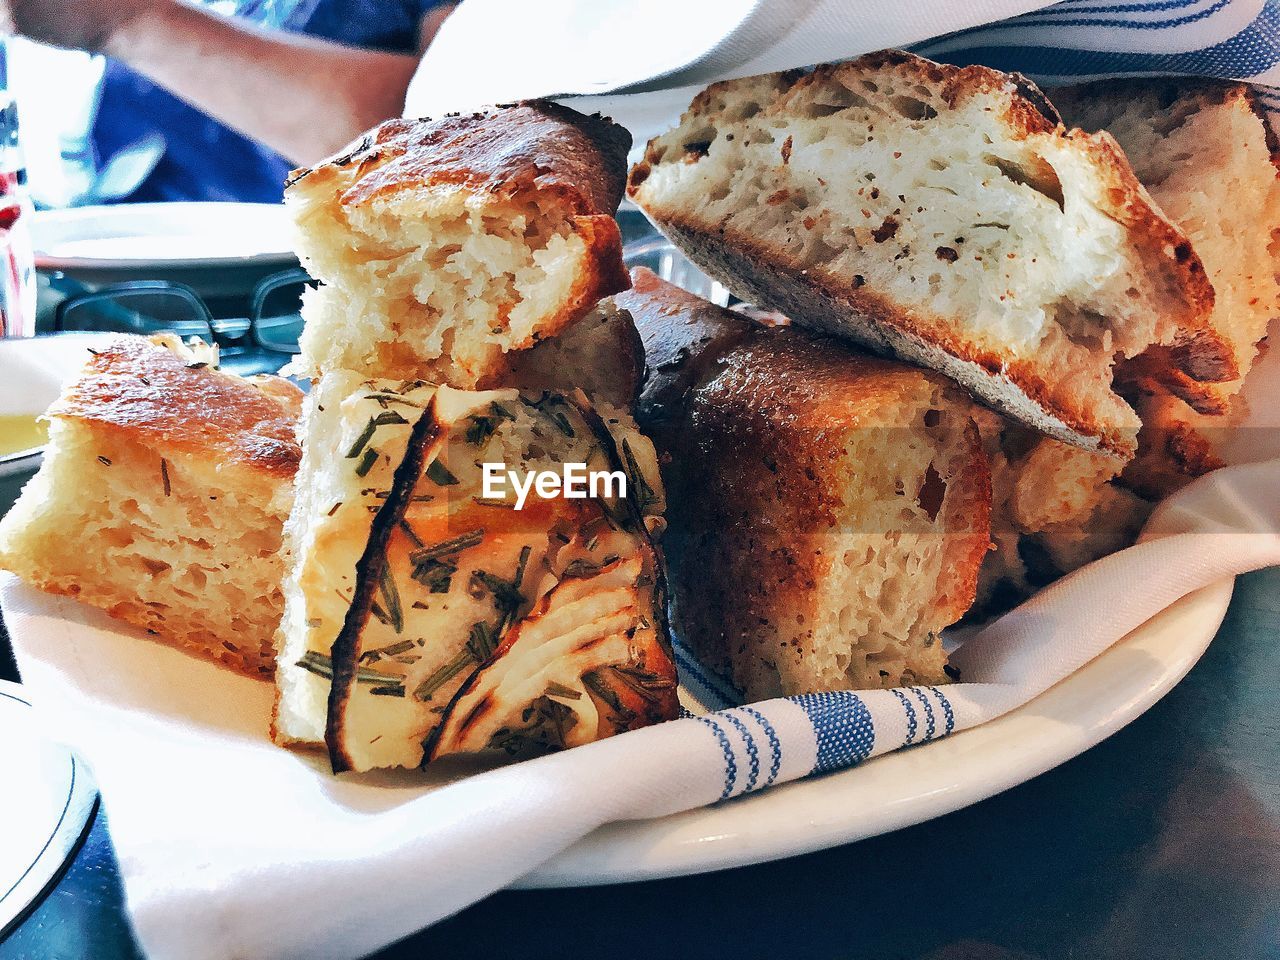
point(659, 53)
point(231, 847)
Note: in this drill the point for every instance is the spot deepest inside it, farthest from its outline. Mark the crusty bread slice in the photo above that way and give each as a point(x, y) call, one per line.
point(601, 355)
point(335, 502)
point(407, 581)
point(828, 510)
point(443, 245)
point(161, 499)
point(1205, 151)
point(943, 215)
point(1054, 508)
point(1177, 443)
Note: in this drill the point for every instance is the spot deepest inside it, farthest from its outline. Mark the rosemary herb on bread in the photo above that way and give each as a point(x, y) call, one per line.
point(944, 215)
point(413, 592)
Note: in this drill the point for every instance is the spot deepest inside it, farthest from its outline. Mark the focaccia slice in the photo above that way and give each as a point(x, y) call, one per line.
point(355, 431)
point(829, 510)
point(587, 661)
point(162, 496)
point(439, 574)
point(446, 244)
point(943, 215)
point(1205, 150)
point(1054, 509)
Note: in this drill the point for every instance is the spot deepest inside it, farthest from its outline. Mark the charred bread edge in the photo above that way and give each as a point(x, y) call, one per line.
point(885, 329)
point(373, 561)
point(661, 625)
point(1203, 354)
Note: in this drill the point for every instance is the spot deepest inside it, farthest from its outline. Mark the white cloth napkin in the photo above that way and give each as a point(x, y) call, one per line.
point(642, 62)
point(231, 847)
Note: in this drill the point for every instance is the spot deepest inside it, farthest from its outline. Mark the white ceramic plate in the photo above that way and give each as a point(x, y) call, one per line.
point(47, 802)
point(161, 236)
point(909, 786)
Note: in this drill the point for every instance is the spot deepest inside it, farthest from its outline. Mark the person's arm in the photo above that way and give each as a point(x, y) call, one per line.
point(301, 96)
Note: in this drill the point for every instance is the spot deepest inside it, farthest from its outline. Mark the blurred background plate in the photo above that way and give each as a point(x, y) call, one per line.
point(216, 248)
point(47, 803)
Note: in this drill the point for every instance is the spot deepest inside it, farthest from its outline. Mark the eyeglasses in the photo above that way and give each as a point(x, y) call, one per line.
point(250, 344)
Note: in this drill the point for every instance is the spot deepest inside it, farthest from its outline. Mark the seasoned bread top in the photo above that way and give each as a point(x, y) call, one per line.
point(159, 391)
point(507, 150)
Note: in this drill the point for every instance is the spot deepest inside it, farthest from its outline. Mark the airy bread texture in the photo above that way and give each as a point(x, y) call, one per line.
point(829, 510)
point(1205, 151)
point(1054, 509)
point(331, 520)
point(161, 499)
point(443, 245)
point(946, 216)
point(424, 617)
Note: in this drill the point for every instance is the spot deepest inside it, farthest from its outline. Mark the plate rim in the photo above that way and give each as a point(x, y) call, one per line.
point(677, 845)
point(44, 872)
point(46, 261)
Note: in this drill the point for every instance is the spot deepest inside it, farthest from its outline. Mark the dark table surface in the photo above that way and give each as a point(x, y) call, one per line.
point(1161, 843)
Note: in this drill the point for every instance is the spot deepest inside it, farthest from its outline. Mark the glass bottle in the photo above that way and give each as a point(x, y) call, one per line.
point(17, 262)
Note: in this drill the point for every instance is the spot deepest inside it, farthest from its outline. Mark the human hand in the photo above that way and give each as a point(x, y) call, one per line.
point(78, 24)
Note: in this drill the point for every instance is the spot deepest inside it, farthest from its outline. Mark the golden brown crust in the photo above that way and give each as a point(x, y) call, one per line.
point(132, 387)
point(754, 420)
point(680, 334)
point(505, 150)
